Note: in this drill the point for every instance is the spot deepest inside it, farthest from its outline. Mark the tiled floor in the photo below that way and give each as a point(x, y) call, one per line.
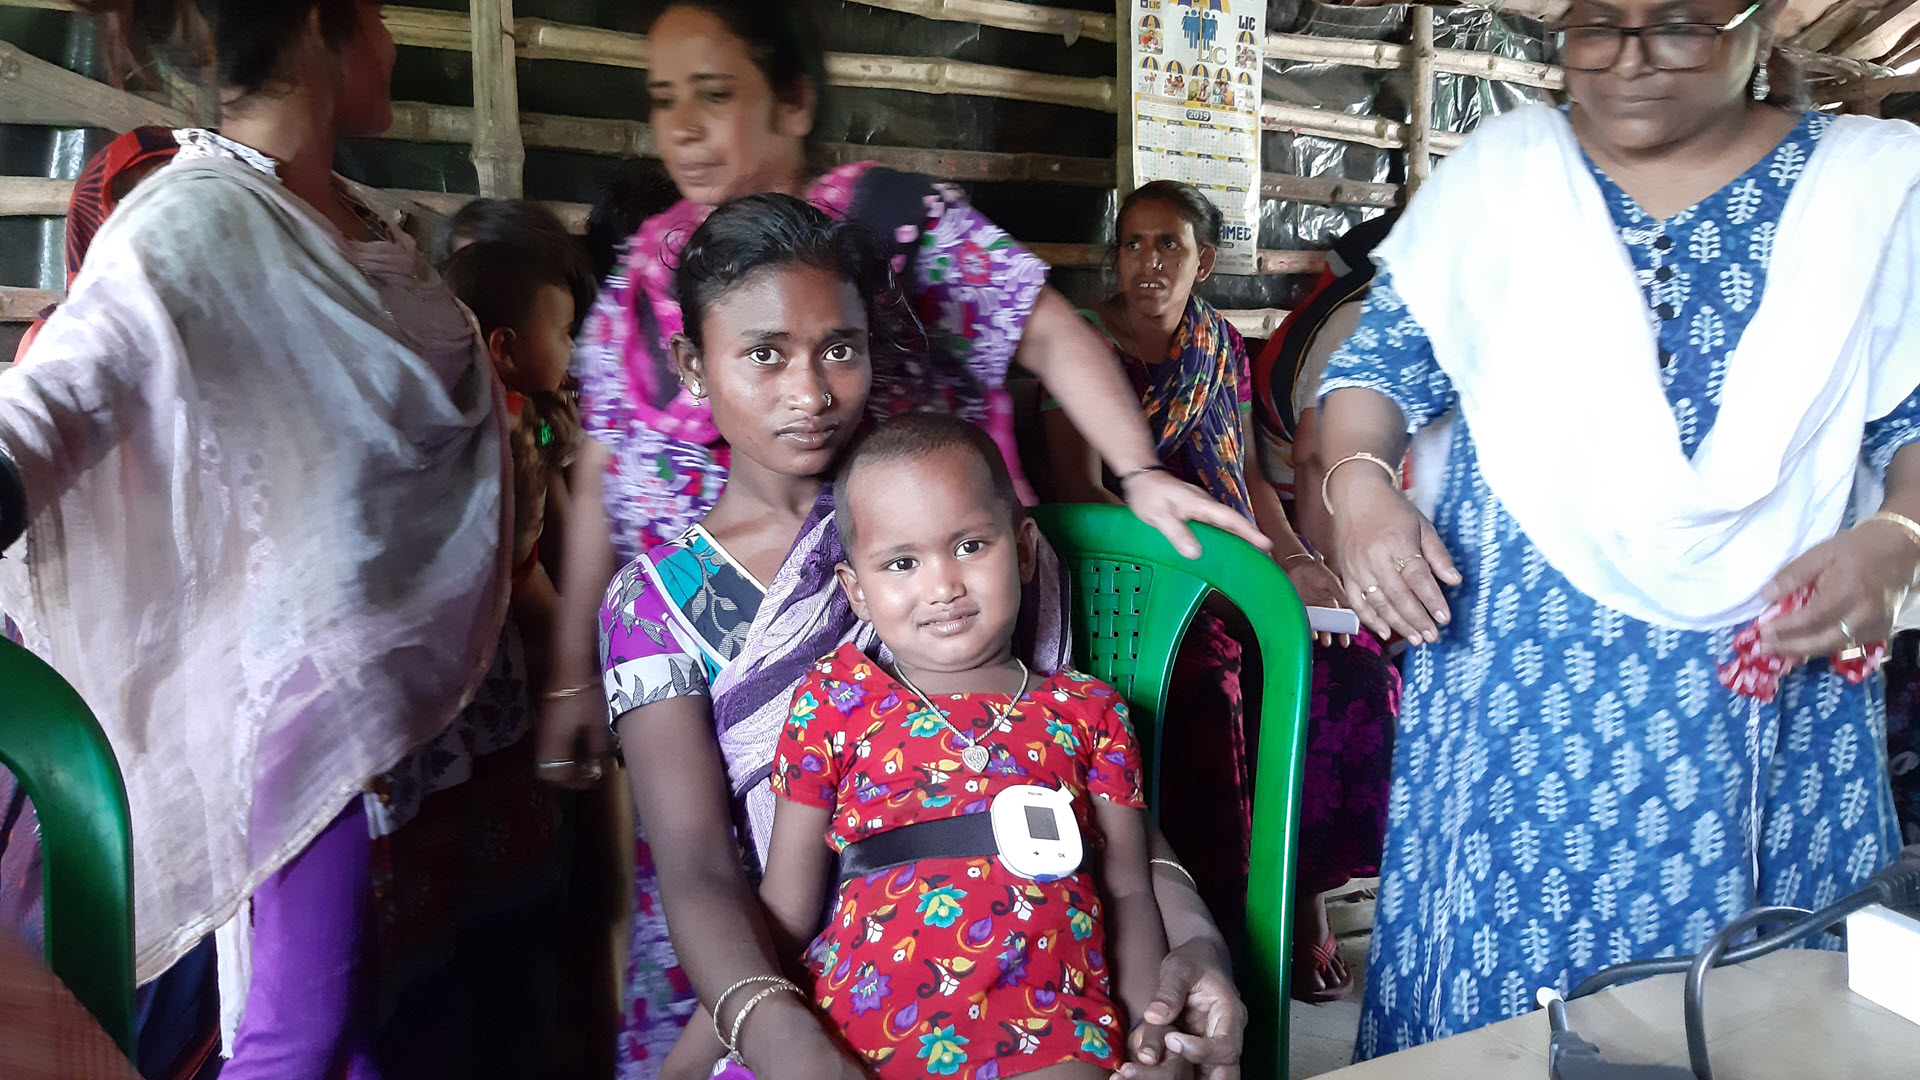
point(1321, 1038)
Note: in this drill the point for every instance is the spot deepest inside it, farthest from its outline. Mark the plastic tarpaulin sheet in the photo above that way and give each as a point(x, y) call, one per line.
point(1035, 212)
point(1460, 103)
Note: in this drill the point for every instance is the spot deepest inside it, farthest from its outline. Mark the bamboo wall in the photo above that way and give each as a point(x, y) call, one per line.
point(496, 134)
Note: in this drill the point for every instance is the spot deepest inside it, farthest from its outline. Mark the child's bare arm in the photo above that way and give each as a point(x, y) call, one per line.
point(799, 872)
point(1136, 939)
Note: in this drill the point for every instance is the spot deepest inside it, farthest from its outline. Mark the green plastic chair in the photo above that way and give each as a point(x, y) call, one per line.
point(54, 747)
point(1135, 597)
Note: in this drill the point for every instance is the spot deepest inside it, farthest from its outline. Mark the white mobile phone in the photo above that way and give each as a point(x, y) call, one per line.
point(1329, 620)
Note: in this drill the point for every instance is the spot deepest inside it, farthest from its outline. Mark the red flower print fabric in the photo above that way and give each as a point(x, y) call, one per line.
point(957, 967)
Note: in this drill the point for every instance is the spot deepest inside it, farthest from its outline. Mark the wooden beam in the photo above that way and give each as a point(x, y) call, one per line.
point(34, 196)
point(1006, 15)
point(33, 91)
point(1820, 66)
point(1833, 22)
point(1880, 89)
point(24, 305)
point(1420, 127)
point(1881, 34)
point(499, 156)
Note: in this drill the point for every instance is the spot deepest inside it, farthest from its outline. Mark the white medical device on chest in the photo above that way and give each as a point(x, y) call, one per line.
point(1036, 832)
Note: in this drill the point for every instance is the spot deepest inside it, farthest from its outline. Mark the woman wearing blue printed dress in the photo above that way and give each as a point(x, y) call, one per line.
point(1667, 323)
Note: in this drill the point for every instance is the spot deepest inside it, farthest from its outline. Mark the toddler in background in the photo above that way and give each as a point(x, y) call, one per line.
point(524, 288)
point(955, 965)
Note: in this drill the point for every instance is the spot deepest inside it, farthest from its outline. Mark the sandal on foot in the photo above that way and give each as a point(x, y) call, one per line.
point(1326, 979)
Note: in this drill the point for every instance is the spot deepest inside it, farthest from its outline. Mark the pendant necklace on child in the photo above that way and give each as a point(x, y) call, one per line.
point(975, 757)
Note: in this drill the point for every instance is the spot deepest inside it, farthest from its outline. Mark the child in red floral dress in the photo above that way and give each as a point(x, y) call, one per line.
point(957, 967)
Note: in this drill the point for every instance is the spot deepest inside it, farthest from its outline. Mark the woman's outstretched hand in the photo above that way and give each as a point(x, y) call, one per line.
point(1857, 577)
point(1168, 504)
point(1392, 559)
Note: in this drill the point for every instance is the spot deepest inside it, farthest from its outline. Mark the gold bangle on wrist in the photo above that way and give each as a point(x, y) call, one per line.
point(565, 692)
point(720, 1003)
point(732, 1041)
point(1905, 524)
point(1300, 555)
point(1326, 480)
point(1178, 869)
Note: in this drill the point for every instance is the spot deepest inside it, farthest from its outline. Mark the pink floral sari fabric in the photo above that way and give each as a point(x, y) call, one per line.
point(970, 286)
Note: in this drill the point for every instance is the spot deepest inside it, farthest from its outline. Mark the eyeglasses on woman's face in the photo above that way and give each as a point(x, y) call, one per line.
point(1669, 46)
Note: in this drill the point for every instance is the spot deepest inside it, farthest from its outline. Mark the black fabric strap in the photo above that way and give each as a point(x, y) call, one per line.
point(969, 836)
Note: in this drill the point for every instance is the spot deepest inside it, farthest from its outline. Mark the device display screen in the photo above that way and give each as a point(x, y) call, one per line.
point(1040, 824)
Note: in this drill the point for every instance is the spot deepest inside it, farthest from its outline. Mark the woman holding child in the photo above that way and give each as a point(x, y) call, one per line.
point(1671, 323)
point(735, 89)
point(794, 338)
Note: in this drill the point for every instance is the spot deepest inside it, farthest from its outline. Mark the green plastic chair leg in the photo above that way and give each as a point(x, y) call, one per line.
point(52, 744)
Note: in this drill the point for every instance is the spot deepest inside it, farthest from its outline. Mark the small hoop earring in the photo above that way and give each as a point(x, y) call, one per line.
point(1762, 85)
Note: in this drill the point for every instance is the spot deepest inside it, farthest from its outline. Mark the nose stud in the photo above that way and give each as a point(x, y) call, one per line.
point(826, 397)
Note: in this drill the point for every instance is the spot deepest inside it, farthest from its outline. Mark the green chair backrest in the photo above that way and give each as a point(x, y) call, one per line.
point(54, 747)
point(1135, 596)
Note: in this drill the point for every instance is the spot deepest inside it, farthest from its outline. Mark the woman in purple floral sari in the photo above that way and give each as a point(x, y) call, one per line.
point(734, 89)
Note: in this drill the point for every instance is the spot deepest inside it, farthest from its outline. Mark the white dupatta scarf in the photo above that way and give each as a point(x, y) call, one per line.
point(265, 471)
point(1509, 261)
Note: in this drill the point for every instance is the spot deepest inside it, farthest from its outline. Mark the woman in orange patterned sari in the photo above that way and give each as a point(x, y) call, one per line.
point(1190, 369)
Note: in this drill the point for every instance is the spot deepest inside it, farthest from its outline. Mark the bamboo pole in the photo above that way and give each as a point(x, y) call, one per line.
point(1099, 255)
point(1328, 191)
point(415, 121)
point(1124, 131)
point(425, 28)
point(1387, 56)
point(539, 39)
point(499, 156)
point(1007, 15)
point(1420, 130)
point(1306, 120)
point(1292, 262)
point(1255, 322)
point(33, 91)
point(959, 77)
point(1368, 130)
